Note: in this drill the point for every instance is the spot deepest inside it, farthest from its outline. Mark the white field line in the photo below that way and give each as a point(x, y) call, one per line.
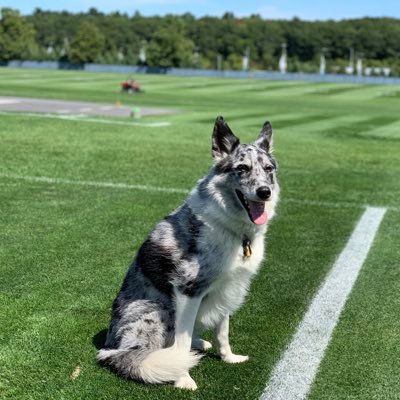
point(83, 118)
point(294, 374)
point(150, 188)
point(339, 204)
point(113, 185)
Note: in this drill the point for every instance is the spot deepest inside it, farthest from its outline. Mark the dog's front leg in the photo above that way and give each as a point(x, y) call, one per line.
point(186, 309)
point(221, 337)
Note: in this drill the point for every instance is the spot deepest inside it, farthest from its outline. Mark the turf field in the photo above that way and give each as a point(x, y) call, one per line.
point(77, 198)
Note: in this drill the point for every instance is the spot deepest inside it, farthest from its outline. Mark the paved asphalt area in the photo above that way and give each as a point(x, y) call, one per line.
point(74, 107)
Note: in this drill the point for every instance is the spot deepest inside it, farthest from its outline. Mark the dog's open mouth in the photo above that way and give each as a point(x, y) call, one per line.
point(255, 209)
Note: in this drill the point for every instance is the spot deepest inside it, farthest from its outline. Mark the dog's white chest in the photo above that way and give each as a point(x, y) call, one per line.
point(234, 260)
point(242, 254)
point(235, 270)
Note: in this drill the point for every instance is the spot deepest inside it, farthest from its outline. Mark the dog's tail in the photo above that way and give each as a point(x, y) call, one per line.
point(165, 365)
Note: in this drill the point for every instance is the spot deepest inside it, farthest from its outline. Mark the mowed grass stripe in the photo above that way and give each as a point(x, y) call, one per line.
point(385, 128)
point(294, 374)
point(378, 125)
point(337, 89)
point(334, 120)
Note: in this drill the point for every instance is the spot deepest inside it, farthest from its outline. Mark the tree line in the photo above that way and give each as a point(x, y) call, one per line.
point(206, 42)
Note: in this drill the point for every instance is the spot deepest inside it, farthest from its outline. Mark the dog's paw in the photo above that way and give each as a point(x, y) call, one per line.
point(186, 382)
point(234, 358)
point(200, 344)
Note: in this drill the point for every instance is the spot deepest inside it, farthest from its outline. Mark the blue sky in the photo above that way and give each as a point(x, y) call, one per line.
point(283, 9)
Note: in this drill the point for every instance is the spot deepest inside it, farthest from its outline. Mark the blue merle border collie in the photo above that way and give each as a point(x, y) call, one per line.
point(194, 269)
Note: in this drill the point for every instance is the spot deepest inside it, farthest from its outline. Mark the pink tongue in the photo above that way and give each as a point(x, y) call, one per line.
point(257, 212)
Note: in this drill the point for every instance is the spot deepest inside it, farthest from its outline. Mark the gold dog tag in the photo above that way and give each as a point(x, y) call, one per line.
point(246, 248)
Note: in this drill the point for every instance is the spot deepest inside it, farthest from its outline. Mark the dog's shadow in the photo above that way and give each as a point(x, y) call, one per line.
point(99, 339)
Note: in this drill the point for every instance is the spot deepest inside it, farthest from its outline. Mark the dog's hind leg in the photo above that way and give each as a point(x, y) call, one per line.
point(200, 344)
point(197, 342)
point(186, 309)
point(221, 336)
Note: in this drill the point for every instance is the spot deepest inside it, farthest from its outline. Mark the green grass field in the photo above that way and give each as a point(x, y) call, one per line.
point(65, 247)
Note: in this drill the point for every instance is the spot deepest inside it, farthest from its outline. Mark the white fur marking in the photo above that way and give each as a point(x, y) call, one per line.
point(186, 382)
point(168, 365)
point(186, 309)
point(294, 374)
point(160, 366)
point(222, 339)
point(200, 344)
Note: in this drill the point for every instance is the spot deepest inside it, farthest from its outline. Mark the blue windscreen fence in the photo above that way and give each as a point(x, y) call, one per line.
point(267, 75)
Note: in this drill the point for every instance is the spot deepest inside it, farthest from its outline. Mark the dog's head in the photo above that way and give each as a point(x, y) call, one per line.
point(247, 172)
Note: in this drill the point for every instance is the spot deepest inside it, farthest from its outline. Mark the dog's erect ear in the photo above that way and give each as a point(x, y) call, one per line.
point(264, 139)
point(223, 140)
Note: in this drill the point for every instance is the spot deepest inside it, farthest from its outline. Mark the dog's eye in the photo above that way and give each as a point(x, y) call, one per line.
point(243, 168)
point(269, 168)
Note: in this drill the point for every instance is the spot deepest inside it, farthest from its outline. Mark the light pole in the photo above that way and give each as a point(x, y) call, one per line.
point(350, 68)
point(359, 64)
point(196, 57)
point(246, 59)
point(322, 62)
point(219, 62)
point(142, 52)
point(283, 60)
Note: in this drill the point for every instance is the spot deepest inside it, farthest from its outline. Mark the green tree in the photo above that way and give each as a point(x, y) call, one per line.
point(54, 28)
point(169, 47)
point(87, 45)
point(170, 39)
point(121, 42)
point(17, 36)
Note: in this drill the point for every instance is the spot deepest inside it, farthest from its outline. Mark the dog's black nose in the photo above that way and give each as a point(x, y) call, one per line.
point(264, 192)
